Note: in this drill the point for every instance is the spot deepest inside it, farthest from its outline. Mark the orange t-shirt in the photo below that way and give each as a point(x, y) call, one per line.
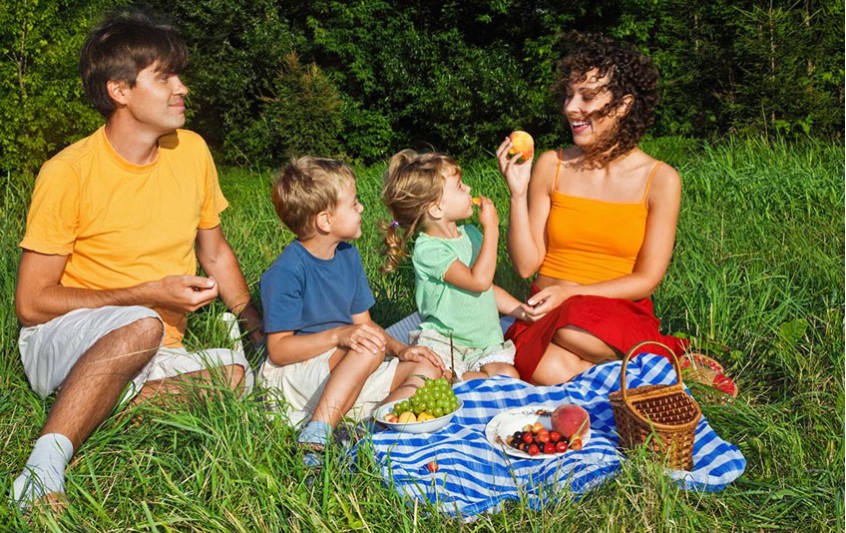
point(590, 240)
point(122, 224)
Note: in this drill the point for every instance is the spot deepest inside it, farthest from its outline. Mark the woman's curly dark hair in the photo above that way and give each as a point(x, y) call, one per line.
point(630, 73)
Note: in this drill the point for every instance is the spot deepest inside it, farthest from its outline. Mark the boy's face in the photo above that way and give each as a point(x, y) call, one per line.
point(156, 102)
point(346, 217)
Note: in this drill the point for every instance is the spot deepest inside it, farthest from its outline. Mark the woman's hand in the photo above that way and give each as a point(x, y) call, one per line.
point(547, 299)
point(517, 175)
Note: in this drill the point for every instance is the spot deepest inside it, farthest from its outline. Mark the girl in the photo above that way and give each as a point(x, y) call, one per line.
point(453, 265)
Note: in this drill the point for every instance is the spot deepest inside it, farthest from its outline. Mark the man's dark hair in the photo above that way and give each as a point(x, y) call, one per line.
point(124, 44)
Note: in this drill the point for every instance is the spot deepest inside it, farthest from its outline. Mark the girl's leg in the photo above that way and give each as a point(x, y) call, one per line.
point(500, 369)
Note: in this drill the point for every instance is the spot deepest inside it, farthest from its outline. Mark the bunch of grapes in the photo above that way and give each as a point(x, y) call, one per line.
point(435, 397)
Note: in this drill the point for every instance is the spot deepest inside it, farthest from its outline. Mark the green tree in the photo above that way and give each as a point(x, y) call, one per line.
point(42, 104)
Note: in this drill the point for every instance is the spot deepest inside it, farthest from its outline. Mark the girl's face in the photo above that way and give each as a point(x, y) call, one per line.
point(456, 202)
point(583, 103)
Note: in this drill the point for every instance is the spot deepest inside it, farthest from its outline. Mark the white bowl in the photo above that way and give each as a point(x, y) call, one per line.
point(429, 426)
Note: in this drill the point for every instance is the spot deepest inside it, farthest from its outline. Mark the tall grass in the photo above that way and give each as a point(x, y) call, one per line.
point(758, 266)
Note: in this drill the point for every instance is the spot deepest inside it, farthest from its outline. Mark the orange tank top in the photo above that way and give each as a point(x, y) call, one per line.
point(591, 241)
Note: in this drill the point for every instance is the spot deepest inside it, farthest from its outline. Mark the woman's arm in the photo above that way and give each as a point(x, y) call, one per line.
point(530, 204)
point(652, 261)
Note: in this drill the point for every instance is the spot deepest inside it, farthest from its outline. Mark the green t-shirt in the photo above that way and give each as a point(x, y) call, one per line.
point(471, 317)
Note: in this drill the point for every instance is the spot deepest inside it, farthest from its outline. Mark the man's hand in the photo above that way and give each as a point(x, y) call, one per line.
point(420, 353)
point(363, 338)
point(183, 293)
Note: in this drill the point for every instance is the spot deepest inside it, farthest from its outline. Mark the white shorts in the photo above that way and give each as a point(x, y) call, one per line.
point(50, 350)
point(467, 359)
point(296, 388)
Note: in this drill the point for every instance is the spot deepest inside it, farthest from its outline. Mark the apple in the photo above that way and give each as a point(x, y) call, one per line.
point(522, 142)
point(572, 421)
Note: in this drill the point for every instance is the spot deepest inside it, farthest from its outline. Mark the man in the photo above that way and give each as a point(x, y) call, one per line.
point(116, 226)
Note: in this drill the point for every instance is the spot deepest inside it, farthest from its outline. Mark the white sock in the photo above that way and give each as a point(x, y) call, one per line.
point(44, 472)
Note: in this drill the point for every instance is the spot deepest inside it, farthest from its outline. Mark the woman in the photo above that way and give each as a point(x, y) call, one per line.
point(596, 221)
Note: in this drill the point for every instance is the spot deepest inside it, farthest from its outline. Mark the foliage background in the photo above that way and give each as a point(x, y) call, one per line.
point(272, 79)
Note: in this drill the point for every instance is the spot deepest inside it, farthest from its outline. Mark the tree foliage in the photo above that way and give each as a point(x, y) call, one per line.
point(272, 79)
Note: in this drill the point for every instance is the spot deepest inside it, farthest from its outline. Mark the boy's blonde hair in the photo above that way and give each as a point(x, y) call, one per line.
point(306, 187)
point(412, 183)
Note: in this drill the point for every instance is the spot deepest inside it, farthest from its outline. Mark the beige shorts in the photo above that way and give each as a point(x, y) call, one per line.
point(467, 359)
point(50, 350)
point(296, 388)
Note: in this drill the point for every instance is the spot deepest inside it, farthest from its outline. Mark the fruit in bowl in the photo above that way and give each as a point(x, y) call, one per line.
point(522, 142)
point(430, 408)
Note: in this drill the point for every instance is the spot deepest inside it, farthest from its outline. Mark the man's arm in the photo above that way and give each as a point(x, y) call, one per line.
point(219, 262)
point(39, 296)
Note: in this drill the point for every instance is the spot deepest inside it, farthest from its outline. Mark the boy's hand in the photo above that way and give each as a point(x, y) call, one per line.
point(419, 353)
point(488, 217)
point(362, 338)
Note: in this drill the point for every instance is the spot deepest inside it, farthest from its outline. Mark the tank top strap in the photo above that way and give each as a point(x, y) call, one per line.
point(558, 168)
point(649, 181)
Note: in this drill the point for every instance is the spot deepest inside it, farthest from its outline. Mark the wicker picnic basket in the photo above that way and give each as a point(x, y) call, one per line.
point(663, 417)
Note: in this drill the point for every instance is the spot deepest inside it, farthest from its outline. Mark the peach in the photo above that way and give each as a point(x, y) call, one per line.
point(522, 142)
point(476, 201)
point(572, 421)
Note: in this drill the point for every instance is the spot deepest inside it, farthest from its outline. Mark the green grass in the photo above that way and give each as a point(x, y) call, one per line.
point(758, 266)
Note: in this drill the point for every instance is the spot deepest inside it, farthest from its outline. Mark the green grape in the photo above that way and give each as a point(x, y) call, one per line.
point(438, 411)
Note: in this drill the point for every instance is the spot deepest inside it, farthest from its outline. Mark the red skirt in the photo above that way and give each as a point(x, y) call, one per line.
point(621, 324)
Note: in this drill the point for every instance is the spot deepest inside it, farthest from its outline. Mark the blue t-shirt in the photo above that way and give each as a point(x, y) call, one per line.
point(305, 294)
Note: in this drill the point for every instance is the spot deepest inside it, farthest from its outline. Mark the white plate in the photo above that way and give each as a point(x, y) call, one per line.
point(429, 426)
point(507, 422)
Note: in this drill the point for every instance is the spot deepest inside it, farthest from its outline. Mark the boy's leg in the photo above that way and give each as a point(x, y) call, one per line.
point(408, 378)
point(348, 372)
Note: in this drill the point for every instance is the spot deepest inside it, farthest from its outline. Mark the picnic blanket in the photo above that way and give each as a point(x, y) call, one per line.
point(474, 477)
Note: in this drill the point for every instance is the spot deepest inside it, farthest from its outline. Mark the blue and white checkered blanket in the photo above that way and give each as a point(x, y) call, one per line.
point(475, 477)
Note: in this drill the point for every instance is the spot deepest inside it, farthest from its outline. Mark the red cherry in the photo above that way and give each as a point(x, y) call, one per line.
point(576, 444)
point(549, 448)
point(432, 467)
point(544, 437)
point(533, 449)
point(528, 437)
point(554, 436)
point(561, 446)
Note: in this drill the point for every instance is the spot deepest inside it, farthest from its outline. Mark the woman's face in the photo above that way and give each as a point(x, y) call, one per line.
point(583, 102)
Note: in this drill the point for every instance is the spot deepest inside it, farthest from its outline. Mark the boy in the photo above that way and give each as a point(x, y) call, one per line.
point(325, 354)
point(116, 226)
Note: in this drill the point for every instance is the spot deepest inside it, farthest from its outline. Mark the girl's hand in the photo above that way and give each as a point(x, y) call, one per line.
point(547, 299)
point(488, 217)
point(517, 175)
point(420, 353)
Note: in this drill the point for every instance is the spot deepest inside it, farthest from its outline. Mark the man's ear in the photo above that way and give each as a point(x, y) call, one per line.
point(117, 91)
point(625, 105)
point(323, 221)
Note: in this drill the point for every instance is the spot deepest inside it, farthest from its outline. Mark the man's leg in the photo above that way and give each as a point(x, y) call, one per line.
point(87, 395)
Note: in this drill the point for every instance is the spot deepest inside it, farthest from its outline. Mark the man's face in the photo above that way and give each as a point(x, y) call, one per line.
point(156, 101)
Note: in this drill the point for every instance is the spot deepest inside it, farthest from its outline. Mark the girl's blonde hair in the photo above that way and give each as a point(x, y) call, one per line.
point(412, 183)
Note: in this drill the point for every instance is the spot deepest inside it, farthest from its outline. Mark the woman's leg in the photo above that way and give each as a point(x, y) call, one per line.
point(572, 351)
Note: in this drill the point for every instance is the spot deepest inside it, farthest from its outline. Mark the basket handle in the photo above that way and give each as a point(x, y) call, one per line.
point(634, 351)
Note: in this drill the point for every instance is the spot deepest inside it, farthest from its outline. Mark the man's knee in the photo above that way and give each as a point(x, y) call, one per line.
point(142, 336)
